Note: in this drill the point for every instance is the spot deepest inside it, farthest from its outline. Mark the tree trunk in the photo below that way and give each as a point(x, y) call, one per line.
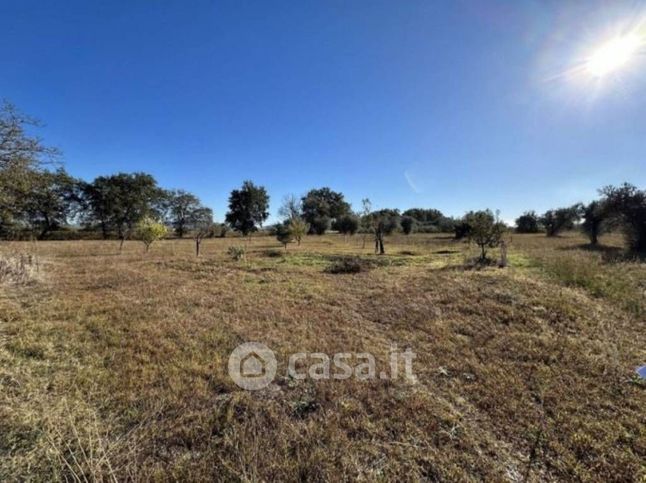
point(197, 247)
point(594, 238)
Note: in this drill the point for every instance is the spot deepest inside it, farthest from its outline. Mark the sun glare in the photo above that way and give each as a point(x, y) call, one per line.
point(612, 55)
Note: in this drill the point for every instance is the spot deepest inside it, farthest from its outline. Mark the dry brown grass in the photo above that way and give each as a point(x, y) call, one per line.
point(113, 366)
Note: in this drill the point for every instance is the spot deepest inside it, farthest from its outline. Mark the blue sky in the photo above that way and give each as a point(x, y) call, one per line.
point(454, 105)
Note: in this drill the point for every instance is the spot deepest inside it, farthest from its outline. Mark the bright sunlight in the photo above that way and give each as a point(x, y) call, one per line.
point(612, 55)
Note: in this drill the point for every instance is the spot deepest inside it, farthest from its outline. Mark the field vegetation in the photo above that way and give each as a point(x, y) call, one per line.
point(113, 362)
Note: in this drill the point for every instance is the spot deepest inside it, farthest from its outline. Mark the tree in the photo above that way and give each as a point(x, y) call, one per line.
point(200, 222)
point(283, 233)
point(18, 150)
point(365, 223)
point(182, 206)
point(291, 207)
point(117, 202)
point(594, 221)
point(298, 228)
point(321, 206)
point(462, 229)
point(248, 208)
point(390, 219)
point(22, 158)
point(486, 230)
point(149, 230)
point(528, 223)
point(53, 198)
point(555, 221)
point(347, 224)
point(382, 222)
point(628, 204)
point(407, 224)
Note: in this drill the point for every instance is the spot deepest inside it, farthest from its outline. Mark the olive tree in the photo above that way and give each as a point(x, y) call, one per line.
point(485, 230)
point(628, 204)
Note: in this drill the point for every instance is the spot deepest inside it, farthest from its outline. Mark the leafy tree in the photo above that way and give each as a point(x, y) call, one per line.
point(53, 198)
point(485, 230)
point(248, 208)
point(407, 224)
point(382, 223)
point(117, 202)
point(298, 228)
point(629, 204)
point(423, 215)
point(182, 207)
point(319, 224)
point(283, 233)
point(321, 206)
point(462, 229)
point(390, 219)
point(555, 221)
point(446, 225)
point(594, 221)
point(528, 222)
point(149, 230)
point(22, 158)
point(347, 224)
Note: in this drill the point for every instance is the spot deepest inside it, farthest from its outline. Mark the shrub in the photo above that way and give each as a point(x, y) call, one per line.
point(346, 265)
point(149, 230)
point(283, 233)
point(237, 252)
point(298, 228)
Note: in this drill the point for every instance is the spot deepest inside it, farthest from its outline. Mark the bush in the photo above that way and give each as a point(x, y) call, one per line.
point(237, 252)
point(346, 265)
point(284, 234)
point(298, 228)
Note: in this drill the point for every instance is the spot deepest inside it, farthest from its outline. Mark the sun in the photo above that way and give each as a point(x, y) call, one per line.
point(612, 55)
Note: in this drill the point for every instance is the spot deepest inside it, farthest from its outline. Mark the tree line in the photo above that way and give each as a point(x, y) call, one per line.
point(39, 198)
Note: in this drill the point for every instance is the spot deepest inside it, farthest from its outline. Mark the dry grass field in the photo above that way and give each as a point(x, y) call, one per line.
point(114, 366)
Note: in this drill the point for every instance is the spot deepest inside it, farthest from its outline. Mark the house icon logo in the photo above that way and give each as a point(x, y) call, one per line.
point(252, 365)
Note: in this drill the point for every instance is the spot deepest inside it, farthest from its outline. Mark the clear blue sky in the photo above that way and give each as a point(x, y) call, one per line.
point(454, 105)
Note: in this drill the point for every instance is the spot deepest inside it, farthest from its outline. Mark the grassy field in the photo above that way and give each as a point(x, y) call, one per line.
point(114, 366)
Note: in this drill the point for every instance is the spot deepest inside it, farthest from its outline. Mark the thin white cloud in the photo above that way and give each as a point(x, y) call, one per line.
point(410, 182)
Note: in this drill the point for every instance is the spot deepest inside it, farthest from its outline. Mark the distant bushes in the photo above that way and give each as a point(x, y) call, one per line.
point(528, 222)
